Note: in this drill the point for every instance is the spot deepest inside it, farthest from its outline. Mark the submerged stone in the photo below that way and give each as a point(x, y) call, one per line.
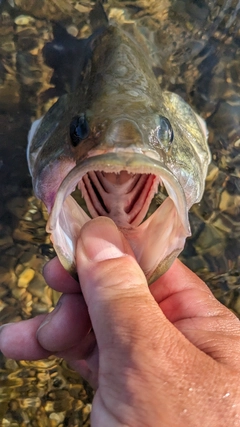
point(25, 277)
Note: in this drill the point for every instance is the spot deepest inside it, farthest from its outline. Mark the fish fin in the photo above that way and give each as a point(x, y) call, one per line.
point(98, 17)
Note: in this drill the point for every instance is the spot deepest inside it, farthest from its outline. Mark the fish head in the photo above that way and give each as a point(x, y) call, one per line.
point(137, 154)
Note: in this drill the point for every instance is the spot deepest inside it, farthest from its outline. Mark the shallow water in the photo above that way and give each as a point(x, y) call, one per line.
point(195, 51)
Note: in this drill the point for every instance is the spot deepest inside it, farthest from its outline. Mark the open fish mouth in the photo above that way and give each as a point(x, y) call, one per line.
point(122, 186)
point(124, 197)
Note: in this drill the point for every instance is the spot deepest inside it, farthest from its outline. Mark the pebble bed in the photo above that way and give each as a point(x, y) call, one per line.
point(48, 393)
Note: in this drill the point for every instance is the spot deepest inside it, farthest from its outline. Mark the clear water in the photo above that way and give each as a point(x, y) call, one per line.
point(195, 51)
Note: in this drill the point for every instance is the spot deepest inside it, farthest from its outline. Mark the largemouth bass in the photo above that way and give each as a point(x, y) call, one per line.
point(123, 142)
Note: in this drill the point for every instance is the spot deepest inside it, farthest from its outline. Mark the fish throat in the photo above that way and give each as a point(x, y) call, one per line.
point(124, 197)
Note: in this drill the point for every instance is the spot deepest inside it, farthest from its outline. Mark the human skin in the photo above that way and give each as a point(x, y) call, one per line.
point(168, 355)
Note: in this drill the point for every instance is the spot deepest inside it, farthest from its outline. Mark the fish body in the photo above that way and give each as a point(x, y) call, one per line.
point(120, 139)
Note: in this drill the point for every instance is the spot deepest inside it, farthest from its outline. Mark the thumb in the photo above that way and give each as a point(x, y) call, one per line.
point(115, 289)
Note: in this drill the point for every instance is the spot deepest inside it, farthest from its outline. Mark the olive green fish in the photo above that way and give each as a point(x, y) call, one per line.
point(123, 142)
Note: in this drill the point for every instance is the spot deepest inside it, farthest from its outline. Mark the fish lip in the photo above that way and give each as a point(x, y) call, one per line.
point(115, 162)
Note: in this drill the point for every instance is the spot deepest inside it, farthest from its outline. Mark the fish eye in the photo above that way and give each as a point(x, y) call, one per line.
point(79, 129)
point(164, 132)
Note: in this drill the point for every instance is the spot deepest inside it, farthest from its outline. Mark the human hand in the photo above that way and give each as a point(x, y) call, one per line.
point(165, 357)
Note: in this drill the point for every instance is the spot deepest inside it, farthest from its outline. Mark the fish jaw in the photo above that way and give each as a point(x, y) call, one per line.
point(156, 241)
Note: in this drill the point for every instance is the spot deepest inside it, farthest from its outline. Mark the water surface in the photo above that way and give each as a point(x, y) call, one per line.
point(195, 52)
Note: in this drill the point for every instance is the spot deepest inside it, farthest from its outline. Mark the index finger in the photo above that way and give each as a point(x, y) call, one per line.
point(59, 279)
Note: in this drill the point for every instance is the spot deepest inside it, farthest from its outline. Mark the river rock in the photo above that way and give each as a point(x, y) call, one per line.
point(25, 277)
